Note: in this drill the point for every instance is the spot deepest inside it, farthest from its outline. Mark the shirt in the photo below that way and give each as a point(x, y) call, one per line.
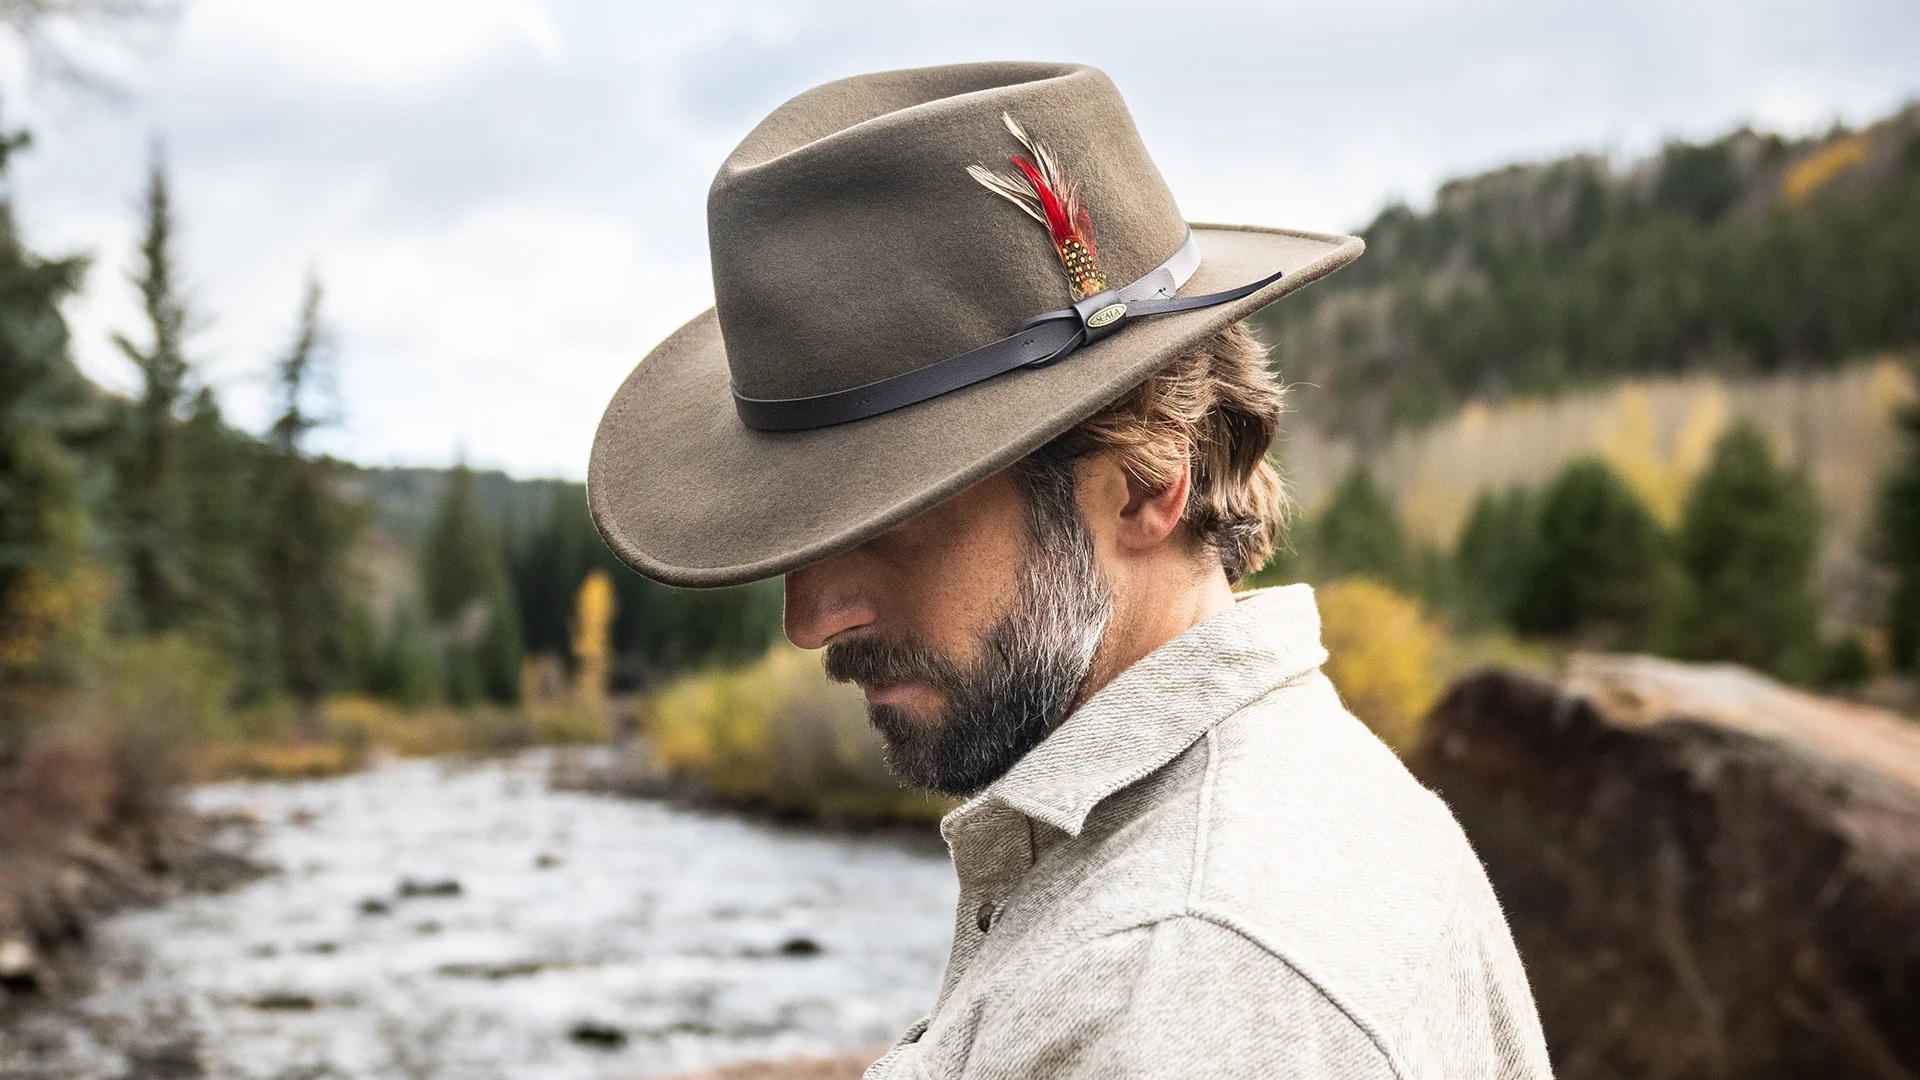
point(1213, 869)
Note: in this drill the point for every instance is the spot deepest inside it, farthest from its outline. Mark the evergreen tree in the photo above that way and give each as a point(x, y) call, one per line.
point(1748, 537)
point(1601, 570)
point(469, 598)
point(221, 521)
point(154, 530)
point(551, 555)
point(1896, 545)
point(1495, 547)
point(191, 517)
point(308, 528)
point(413, 673)
point(1359, 532)
point(657, 630)
point(46, 416)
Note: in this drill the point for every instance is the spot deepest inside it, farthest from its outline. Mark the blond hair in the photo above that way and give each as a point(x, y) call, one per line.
point(1213, 411)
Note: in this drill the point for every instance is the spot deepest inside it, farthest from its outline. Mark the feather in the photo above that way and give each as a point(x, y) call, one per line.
point(1042, 191)
point(1016, 194)
point(1058, 223)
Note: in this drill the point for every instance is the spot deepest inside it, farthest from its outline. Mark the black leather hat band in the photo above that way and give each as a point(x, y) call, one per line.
point(1043, 340)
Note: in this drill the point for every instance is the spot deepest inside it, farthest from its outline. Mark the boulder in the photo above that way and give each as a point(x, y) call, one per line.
point(1707, 874)
point(21, 971)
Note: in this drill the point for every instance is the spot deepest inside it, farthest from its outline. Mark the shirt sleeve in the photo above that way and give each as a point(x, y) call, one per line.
point(1183, 997)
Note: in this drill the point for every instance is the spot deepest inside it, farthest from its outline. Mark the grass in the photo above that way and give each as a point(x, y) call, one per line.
point(270, 744)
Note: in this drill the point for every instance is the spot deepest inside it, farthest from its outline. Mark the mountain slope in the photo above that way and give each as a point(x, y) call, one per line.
point(1751, 253)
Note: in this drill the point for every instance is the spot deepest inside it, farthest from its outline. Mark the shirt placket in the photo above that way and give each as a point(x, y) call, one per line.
point(992, 850)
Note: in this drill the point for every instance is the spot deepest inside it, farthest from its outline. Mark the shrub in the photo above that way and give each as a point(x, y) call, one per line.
point(1382, 654)
point(272, 761)
point(780, 735)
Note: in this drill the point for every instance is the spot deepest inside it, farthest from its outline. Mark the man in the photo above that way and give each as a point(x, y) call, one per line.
point(983, 396)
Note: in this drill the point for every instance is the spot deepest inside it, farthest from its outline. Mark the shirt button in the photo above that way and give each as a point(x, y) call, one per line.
point(985, 918)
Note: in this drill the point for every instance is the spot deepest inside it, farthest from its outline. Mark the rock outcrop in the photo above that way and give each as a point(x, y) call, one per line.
point(1707, 874)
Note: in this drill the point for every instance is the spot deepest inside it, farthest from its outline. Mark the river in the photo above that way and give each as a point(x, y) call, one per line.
point(466, 920)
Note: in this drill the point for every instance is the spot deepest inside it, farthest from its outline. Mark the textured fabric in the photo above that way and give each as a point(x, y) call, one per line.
point(1212, 869)
point(849, 244)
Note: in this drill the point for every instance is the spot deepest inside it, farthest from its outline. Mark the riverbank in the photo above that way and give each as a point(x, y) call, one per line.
point(54, 889)
point(443, 918)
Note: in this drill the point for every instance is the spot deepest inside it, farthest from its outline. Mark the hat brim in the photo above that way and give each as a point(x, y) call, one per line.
point(686, 494)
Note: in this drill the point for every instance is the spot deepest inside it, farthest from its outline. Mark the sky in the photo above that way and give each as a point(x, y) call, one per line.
point(505, 199)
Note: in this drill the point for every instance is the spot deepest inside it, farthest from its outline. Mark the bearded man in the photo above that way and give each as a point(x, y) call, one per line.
point(984, 397)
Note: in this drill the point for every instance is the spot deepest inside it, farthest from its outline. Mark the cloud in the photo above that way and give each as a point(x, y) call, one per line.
point(506, 197)
point(506, 327)
point(373, 47)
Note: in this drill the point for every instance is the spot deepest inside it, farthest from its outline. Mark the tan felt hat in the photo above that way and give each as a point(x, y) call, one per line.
point(882, 246)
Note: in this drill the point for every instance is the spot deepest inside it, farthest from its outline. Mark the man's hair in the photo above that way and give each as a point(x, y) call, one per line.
point(1213, 411)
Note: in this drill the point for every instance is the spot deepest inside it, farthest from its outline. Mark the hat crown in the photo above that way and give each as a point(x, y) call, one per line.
point(849, 243)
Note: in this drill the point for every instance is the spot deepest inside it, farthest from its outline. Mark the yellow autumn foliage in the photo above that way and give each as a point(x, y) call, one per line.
point(1819, 168)
point(1384, 655)
point(263, 744)
point(594, 609)
point(270, 761)
point(778, 734)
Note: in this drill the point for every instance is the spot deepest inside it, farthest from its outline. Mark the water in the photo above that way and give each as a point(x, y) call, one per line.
point(583, 937)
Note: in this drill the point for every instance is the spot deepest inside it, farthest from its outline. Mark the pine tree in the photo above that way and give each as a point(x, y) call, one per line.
point(469, 599)
point(151, 498)
point(1748, 537)
point(551, 556)
point(1359, 533)
point(221, 520)
point(46, 416)
point(1601, 569)
point(1493, 552)
point(308, 528)
point(1897, 545)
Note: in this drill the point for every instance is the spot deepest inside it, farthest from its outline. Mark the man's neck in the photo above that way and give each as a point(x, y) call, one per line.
point(1154, 610)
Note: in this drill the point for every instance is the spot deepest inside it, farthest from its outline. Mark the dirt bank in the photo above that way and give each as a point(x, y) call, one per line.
point(56, 882)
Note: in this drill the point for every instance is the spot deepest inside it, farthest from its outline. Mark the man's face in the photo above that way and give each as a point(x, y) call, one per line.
point(970, 628)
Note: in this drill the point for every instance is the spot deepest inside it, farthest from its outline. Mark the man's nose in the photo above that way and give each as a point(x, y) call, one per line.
point(823, 602)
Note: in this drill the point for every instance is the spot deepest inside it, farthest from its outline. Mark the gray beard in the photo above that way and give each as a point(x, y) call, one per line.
point(1028, 674)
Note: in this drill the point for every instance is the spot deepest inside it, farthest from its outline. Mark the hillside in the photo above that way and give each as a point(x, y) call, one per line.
point(1657, 433)
point(1749, 254)
point(402, 500)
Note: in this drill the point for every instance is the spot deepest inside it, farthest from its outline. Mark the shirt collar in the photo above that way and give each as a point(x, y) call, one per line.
point(1158, 707)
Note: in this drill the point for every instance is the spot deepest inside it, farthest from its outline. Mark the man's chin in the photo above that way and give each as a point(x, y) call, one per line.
point(910, 754)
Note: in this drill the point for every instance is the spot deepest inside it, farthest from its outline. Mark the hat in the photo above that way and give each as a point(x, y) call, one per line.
point(919, 277)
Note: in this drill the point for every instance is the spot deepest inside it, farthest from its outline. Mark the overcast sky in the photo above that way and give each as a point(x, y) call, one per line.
point(505, 198)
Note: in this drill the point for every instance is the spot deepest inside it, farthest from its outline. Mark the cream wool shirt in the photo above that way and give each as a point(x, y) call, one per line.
point(1212, 869)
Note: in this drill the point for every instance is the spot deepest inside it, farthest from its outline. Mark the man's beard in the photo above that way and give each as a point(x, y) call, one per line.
point(1030, 666)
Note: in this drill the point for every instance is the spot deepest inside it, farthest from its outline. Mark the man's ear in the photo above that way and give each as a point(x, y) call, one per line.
point(1151, 515)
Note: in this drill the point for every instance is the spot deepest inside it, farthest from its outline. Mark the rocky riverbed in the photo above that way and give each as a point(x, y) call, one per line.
point(438, 919)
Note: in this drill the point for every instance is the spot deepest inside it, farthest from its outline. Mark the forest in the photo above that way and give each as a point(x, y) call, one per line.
point(1747, 254)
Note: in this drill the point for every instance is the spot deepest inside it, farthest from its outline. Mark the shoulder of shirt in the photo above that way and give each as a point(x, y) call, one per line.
point(1305, 835)
point(1313, 841)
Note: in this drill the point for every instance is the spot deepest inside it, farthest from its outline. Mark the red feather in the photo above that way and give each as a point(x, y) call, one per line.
point(1058, 223)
